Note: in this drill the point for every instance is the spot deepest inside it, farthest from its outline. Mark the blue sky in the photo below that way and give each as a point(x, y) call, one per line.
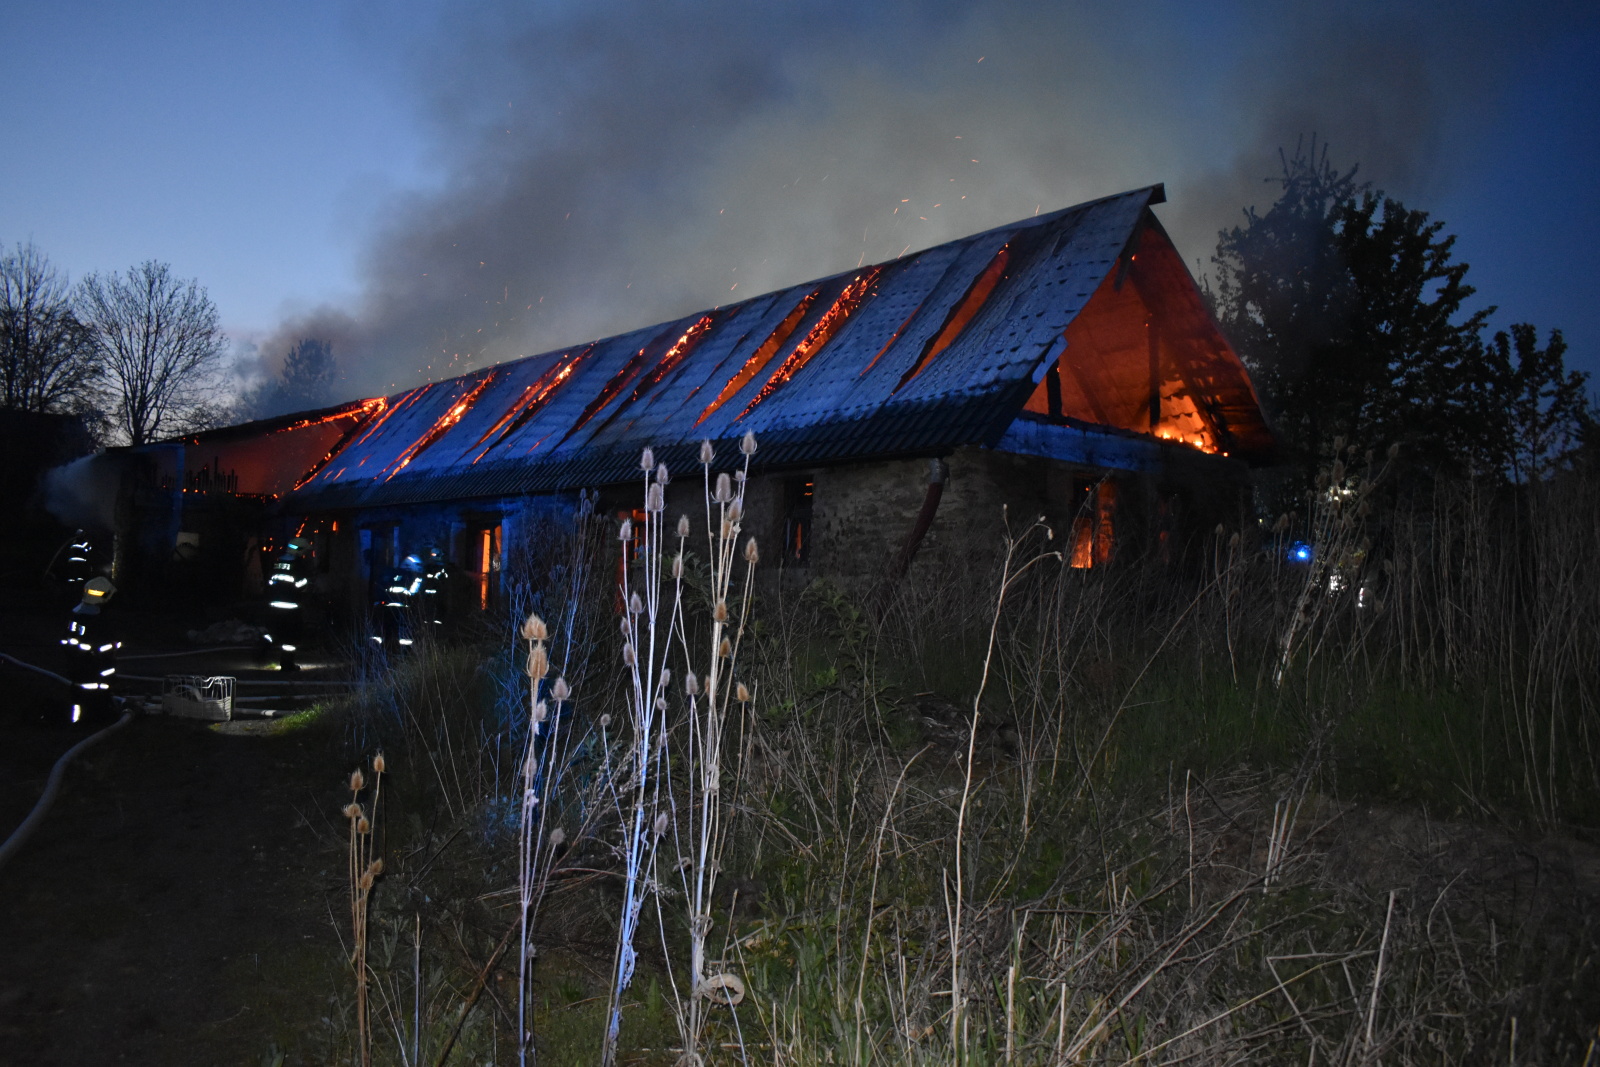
point(439, 185)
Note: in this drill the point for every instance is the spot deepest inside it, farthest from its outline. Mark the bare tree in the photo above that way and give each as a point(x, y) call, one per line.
point(162, 346)
point(48, 361)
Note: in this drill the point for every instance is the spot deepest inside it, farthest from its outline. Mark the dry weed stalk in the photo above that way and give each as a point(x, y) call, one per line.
point(363, 871)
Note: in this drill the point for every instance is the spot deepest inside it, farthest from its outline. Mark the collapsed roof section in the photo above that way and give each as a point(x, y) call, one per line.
point(1084, 318)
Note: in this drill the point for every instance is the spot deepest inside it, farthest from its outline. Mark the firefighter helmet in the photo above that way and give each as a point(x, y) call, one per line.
point(98, 590)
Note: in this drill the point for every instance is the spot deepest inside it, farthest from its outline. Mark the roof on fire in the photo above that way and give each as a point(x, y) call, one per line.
point(936, 350)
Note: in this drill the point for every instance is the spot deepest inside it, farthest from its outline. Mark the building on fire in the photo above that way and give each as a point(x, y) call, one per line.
point(1065, 366)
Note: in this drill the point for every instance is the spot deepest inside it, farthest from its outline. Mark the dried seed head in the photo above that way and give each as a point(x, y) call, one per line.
point(605, 720)
point(560, 691)
point(534, 629)
point(375, 868)
point(661, 475)
point(661, 824)
point(1338, 444)
point(635, 605)
point(540, 712)
point(677, 566)
point(691, 684)
point(626, 532)
point(629, 657)
point(557, 836)
point(752, 555)
point(1220, 531)
point(660, 704)
point(736, 510)
point(352, 811)
point(365, 881)
point(538, 662)
point(363, 826)
point(1394, 450)
point(1282, 524)
point(738, 476)
point(379, 764)
point(720, 611)
point(724, 490)
point(647, 460)
point(654, 499)
point(358, 781)
point(1338, 472)
point(748, 444)
point(1367, 459)
point(1233, 542)
point(707, 453)
point(741, 693)
point(725, 650)
point(726, 533)
point(683, 526)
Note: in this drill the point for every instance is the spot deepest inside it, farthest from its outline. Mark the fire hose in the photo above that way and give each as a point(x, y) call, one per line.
point(20, 835)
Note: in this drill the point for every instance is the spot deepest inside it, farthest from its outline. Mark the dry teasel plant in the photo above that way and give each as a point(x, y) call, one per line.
point(363, 869)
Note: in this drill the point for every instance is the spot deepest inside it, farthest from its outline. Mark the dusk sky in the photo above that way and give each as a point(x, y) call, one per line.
point(434, 186)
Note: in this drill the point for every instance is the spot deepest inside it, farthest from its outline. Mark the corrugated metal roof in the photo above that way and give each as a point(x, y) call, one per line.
point(929, 352)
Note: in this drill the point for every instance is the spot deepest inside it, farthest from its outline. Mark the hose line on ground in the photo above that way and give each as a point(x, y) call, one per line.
point(20, 835)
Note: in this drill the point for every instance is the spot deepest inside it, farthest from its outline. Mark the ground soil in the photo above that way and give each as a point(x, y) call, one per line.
point(174, 906)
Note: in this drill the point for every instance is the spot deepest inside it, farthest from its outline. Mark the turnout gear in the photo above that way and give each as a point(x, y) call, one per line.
point(286, 596)
point(396, 608)
point(91, 655)
point(435, 590)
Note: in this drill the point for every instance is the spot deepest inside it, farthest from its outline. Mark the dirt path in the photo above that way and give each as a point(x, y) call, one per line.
point(173, 907)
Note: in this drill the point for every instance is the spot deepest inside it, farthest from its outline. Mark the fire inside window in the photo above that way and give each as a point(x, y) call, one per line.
point(798, 494)
point(485, 548)
point(1093, 523)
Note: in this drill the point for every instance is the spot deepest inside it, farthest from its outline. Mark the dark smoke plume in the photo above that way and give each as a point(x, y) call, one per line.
point(620, 162)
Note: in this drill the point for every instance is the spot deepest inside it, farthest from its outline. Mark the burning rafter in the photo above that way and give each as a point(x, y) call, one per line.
point(674, 356)
point(532, 400)
point(832, 322)
point(363, 414)
point(762, 356)
point(619, 381)
point(976, 296)
point(440, 426)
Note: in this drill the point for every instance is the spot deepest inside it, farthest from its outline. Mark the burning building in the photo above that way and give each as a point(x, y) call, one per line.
point(1065, 366)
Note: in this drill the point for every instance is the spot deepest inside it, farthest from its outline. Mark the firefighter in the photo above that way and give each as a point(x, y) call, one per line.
point(73, 565)
point(397, 606)
point(435, 590)
point(286, 594)
point(91, 655)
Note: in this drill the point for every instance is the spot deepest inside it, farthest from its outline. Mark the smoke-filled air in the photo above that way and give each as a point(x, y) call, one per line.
point(609, 165)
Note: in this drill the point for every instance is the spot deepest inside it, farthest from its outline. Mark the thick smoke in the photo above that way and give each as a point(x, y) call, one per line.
point(83, 493)
point(621, 162)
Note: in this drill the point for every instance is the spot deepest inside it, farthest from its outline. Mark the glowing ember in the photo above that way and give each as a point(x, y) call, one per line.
point(961, 314)
point(360, 411)
point(441, 426)
point(619, 381)
point(362, 414)
point(759, 359)
point(674, 356)
point(532, 400)
point(820, 334)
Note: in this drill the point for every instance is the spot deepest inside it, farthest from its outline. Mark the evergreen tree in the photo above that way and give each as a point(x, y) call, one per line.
point(1349, 310)
point(305, 381)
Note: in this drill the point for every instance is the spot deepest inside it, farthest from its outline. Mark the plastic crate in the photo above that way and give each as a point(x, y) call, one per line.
point(198, 696)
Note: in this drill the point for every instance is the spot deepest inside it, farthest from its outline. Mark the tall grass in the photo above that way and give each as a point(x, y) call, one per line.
point(1024, 813)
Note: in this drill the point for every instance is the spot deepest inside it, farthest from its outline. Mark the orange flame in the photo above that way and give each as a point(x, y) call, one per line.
point(761, 356)
point(362, 414)
point(675, 355)
point(961, 314)
point(619, 381)
point(533, 398)
point(440, 426)
point(831, 322)
point(890, 342)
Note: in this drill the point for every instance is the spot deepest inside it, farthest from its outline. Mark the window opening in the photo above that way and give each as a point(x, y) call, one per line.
point(798, 493)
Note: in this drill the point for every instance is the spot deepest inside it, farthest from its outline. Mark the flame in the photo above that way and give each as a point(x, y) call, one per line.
point(762, 355)
point(533, 398)
point(890, 342)
point(619, 381)
point(441, 425)
point(362, 414)
point(831, 322)
point(675, 355)
point(962, 314)
point(357, 411)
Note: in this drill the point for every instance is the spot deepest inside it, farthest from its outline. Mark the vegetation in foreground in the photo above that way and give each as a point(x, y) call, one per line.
point(1245, 811)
